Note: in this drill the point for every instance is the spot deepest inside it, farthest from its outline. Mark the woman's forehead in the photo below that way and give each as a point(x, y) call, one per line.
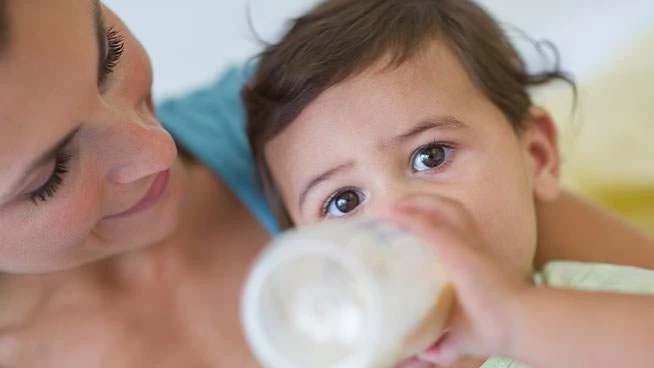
point(52, 64)
point(48, 80)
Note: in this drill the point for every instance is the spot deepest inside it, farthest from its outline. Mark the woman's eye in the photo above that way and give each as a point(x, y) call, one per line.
point(115, 49)
point(342, 203)
point(430, 157)
point(56, 179)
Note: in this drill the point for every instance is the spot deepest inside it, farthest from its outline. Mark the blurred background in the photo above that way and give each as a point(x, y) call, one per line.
point(608, 45)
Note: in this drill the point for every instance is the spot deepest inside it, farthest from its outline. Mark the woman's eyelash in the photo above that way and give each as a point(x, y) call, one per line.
point(115, 49)
point(49, 189)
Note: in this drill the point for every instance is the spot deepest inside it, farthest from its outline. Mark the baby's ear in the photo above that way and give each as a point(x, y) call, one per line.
point(542, 150)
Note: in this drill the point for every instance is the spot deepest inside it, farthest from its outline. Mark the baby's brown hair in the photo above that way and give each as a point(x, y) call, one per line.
point(339, 39)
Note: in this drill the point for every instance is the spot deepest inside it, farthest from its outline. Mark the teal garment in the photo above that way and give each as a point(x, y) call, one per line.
point(210, 124)
point(589, 277)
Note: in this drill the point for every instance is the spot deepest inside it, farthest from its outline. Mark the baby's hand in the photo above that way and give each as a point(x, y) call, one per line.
point(487, 292)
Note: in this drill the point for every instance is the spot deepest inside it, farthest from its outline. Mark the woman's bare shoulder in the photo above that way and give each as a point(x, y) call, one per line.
point(215, 205)
point(572, 228)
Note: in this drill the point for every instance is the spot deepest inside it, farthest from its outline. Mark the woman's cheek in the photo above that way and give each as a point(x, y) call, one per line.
point(73, 222)
point(79, 206)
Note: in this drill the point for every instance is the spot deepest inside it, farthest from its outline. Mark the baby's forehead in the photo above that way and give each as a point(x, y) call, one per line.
point(432, 84)
point(435, 56)
point(363, 115)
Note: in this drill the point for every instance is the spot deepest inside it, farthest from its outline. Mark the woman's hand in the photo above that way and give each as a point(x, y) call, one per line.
point(487, 292)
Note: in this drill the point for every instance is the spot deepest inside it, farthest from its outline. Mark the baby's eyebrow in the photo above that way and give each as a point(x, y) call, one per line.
point(444, 122)
point(323, 177)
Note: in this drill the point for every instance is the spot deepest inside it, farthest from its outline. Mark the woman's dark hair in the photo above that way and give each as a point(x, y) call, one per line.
point(4, 26)
point(339, 39)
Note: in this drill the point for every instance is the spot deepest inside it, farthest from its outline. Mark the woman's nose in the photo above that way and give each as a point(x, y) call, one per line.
point(136, 150)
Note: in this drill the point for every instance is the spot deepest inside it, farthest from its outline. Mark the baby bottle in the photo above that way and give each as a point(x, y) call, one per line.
point(357, 294)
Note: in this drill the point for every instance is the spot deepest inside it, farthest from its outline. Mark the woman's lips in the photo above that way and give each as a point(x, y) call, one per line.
point(150, 198)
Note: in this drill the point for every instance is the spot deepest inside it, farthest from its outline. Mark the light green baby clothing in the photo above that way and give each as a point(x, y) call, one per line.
point(587, 276)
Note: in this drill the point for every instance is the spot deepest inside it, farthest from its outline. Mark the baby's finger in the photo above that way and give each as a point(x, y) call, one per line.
point(433, 208)
point(450, 347)
point(445, 354)
point(449, 245)
point(440, 210)
point(415, 363)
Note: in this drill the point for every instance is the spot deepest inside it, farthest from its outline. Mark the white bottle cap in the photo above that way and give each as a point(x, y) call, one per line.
point(310, 303)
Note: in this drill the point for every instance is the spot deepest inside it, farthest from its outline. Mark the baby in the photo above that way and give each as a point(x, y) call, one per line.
point(418, 111)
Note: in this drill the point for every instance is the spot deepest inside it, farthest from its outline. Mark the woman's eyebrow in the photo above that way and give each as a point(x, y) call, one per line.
point(47, 156)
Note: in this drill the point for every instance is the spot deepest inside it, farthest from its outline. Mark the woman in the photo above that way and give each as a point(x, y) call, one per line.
point(114, 250)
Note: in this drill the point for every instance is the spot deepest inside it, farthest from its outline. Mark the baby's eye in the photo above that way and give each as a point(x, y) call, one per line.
point(430, 156)
point(342, 203)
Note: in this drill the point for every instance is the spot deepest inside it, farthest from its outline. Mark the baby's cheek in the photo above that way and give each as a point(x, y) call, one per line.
point(520, 242)
point(509, 227)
